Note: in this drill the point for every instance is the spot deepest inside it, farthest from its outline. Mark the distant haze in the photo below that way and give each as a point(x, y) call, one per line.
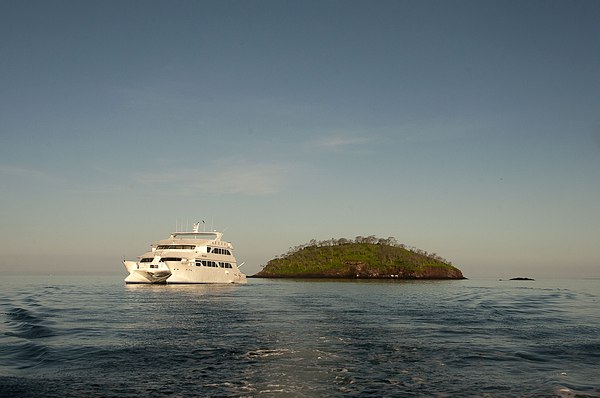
point(465, 128)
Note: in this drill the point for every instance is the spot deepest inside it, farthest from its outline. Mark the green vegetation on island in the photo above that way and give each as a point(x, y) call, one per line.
point(363, 258)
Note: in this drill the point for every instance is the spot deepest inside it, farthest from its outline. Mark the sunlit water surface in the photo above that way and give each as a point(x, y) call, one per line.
point(96, 336)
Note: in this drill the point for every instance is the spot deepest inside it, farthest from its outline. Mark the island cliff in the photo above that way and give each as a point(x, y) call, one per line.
point(362, 258)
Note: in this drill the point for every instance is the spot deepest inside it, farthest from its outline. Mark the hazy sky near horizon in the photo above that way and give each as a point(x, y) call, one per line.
point(466, 128)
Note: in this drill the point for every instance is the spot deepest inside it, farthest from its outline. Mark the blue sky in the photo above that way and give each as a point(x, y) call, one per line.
point(466, 128)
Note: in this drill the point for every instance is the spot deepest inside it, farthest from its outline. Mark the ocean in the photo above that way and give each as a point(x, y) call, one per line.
point(96, 336)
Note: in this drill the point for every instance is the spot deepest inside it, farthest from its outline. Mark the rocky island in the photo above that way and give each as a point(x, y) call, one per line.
point(361, 258)
point(520, 278)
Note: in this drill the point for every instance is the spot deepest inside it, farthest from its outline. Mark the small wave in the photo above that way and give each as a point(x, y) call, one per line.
point(27, 325)
point(24, 355)
point(530, 356)
point(566, 392)
point(21, 315)
point(29, 332)
point(267, 353)
point(571, 385)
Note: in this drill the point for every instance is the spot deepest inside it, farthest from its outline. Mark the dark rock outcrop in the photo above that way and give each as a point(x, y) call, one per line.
point(520, 278)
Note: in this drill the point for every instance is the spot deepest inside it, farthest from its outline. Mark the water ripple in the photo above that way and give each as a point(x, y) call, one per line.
point(25, 324)
point(304, 339)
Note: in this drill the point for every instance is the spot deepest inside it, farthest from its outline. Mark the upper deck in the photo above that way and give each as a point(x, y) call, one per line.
point(194, 238)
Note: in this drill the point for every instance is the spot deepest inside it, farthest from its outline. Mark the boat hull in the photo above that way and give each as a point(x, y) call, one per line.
point(144, 273)
point(178, 273)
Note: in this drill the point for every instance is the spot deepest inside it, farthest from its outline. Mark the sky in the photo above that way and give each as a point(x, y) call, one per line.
point(466, 128)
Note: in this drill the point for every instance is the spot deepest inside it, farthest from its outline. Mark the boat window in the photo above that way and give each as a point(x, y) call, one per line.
point(170, 259)
point(146, 260)
point(206, 263)
point(176, 247)
point(218, 250)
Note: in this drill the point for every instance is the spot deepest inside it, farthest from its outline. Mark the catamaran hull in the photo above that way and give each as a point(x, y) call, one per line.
point(176, 273)
point(144, 274)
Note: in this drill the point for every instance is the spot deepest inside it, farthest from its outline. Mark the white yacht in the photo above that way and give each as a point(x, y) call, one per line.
point(187, 257)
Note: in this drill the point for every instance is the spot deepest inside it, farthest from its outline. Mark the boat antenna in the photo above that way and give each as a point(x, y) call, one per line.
point(203, 226)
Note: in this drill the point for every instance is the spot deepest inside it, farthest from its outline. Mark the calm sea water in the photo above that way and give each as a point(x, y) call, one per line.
point(96, 336)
